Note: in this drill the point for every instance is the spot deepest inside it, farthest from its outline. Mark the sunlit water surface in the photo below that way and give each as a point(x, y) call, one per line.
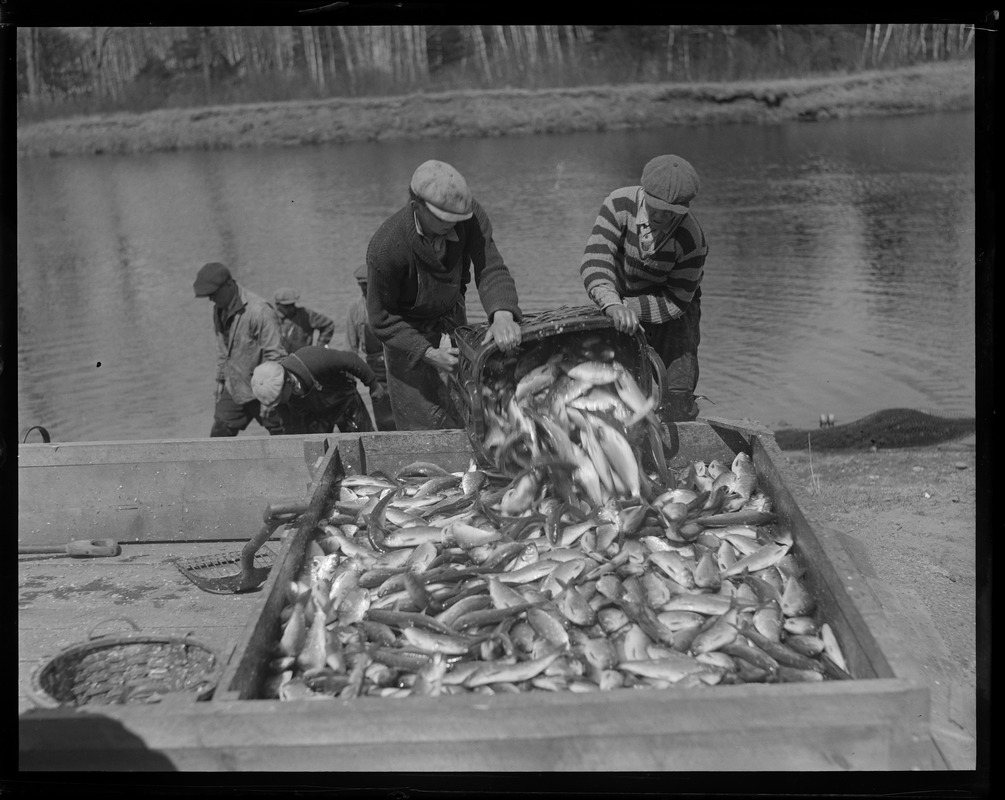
point(840, 277)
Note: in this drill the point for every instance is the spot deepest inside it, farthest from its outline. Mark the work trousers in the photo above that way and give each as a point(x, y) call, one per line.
point(419, 397)
point(676, 343)
point(231, 417)
point(347, 415)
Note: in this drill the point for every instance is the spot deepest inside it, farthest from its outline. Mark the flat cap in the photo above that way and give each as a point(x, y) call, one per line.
point(210, 278)
point(443, 189)
point(671, 183)
point(287, 296)
point(267, 383)
point(360, 274)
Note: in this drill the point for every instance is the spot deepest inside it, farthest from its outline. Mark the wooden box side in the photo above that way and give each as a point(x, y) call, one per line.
point(243, 673)
point(150, 491)
point(839, 725)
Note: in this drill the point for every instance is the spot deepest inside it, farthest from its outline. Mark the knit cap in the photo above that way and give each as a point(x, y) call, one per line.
point(267, 383)
point(671, 183)
point(443, 189)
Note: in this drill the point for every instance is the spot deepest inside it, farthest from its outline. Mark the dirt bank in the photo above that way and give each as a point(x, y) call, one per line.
point(933, 87)
point(907, 518)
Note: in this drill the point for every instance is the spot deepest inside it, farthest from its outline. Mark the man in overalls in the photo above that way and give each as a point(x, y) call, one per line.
point(362, 341)
point(247, 335)
point(419, 265)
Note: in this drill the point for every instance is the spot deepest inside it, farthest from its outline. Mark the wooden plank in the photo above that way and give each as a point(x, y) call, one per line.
point(830, 576)
point(391, 450)
point(238, 448)
point(198, 489)
point(243, 674)
point(820, 726)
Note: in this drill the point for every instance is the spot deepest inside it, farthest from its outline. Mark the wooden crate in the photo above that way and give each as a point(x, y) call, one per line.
point(878, 721)
point(158, 491)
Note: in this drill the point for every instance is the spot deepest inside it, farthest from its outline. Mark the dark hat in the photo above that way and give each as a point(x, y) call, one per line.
point(360, 274)
point(286, 296)
point(671, 183)
point(443, 189)
point(210, 278)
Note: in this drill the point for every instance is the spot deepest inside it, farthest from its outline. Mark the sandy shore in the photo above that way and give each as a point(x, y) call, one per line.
point(907, 518)
point(947, 86)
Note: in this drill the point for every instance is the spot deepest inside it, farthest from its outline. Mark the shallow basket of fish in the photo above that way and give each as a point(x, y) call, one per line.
point(126, 668)
point(486, 378)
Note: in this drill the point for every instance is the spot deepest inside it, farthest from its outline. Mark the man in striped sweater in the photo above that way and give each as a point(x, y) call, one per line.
point(643, 265)
point(419, 265)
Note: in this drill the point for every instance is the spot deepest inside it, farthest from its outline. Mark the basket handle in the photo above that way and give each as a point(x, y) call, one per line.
point(111, 619)
point(660, 373)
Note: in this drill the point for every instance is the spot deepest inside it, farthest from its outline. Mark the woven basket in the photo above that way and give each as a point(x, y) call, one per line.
point(126, 668)
point(558, 326)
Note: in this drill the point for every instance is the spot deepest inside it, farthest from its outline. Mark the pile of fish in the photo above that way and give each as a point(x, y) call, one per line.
point(580, 562)
point(575, 406)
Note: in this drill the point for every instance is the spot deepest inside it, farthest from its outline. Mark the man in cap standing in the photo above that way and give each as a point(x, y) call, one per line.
point(247, 334)
point(419, 265)
point(316, 386)
point(643, 265)
point(300, 326)
point(364, 342)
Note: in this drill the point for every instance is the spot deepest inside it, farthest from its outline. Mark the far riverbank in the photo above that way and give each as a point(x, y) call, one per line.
point(945, 86)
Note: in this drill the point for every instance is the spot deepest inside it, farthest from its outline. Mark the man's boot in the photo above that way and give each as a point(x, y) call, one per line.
point(680, 406)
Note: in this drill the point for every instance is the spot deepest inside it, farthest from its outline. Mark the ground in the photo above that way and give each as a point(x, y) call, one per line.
point(940, 86)
point(908, 520)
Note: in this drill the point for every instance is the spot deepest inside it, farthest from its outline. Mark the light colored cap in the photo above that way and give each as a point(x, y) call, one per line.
point(360, 274)
point(443, 189)
point(267, 382)
point(287, 296)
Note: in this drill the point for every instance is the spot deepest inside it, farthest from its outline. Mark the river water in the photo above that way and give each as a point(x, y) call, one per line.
point(840, 277)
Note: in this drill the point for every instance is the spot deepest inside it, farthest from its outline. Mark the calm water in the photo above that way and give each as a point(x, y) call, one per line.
point(840, 278)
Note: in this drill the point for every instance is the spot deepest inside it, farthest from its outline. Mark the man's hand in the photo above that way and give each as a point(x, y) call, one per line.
point(377, 392)
point(623, 317)
point(443, 358)
point(503, 331)
point(219, 391)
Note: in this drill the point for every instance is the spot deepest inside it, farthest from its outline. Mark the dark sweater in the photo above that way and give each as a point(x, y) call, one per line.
point(395, 255)
point(328, 374)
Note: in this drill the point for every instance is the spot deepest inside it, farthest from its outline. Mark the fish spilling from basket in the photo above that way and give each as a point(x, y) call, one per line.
point(580, 562)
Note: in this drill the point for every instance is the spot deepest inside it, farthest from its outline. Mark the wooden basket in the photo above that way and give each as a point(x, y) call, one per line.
point(557, 326)
point(126, 668)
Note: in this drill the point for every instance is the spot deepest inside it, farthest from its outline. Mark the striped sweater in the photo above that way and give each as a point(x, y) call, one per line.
point(658, 288)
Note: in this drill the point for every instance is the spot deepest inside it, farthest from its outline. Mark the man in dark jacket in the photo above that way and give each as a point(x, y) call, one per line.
point(318, 386)
point(300, 326)
point(247, 334)
point(362, 341)
point(419, 265)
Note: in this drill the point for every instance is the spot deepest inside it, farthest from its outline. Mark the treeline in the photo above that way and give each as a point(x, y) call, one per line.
point(89, 70)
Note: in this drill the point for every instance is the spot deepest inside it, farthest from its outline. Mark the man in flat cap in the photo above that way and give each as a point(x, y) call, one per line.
point(643, 265)
point(247, 334)
point(300, 326)
point(419, 265)
point(362, 341)
point(316, 386)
